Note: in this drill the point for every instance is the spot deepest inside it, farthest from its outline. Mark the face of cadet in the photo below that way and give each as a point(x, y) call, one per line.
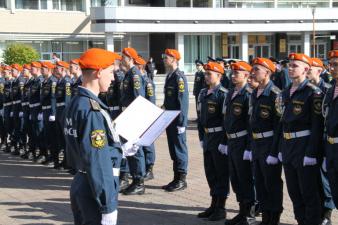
point(239, 76)
point(252, 83)
point(168, 60)
point(26, 73)
point(334, 67)
point(15, 73)
point(259, 73)
point(298, 69)
point(74, 68)
point(211, 77)
point(313, 73)
point(105, 76)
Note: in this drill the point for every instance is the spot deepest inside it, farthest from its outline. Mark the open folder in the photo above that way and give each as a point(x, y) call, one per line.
point(144, 121)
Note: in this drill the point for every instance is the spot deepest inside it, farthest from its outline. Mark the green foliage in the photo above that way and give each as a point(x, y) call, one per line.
point(20, 53)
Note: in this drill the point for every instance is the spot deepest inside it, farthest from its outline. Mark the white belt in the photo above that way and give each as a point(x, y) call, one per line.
point(262, 135)
point(116, 172)
point(298, 134)
point(213, 129)
point(7, 104)
point(34, 105)
point(114, 108)
point(332, 140)
point(60, 104)
point(237, 135)
point(24, 103)
point(124, 108)
point(46, 107)
point(17, 102)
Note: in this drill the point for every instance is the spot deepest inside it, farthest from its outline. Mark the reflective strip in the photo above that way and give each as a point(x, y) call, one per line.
point(213, 129)
point(237, 135)
point(332, 140)
point(17, 102)
point(116, 172)
point(262, 135)
point(46, 107)
point(60, 104)
point(7, 104)
point(34, 105)
point(114, 108)
point(298, 134)
point(24, 103)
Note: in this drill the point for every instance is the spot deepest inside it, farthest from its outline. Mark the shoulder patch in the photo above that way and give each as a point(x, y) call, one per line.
point(95, 105)
point(180, 84)
point(275, 90)
point(137, 81)
point(98, 138)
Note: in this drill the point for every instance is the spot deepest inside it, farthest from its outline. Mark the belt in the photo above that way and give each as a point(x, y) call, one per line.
point(114, 108)
point(46, 107)
point(16, 102)
point(297, 134)
point(262, 135)
point(237, 135)
point(7, 104)
point(332, 140)
point(60, 104)
point(213, 129)
point(34, 105)
point(116, 172)
point(24, 103)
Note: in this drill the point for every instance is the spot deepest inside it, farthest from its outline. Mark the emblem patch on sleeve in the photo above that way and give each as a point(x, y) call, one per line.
point(137, 82)
point(181, 85)
point(98, 138)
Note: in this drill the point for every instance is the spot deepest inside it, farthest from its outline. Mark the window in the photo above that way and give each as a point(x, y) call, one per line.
point(303, 3)
point(67, 5)
point(335, 3)
point(2, 3)
point(31, 4)
point(98, 3)
point(202, 3)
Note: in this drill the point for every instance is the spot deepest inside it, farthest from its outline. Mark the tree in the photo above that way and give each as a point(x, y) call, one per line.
point(20, 53)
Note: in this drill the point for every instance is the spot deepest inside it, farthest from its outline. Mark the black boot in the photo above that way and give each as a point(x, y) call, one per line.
point(124, 182)
point(210, 210)
point(327, 217)
point(171, 182)
point(219, 212)
point(239, 218)
point(135, 188)
point(275, 217)
point(179, 184)
point(149, 174)
point(266, 217)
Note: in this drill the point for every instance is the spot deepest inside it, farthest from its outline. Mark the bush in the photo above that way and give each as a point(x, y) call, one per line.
point(20, 53)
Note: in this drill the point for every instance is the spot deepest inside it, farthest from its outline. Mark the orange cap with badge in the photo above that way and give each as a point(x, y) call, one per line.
point(333, 54)
point(140, 61)
point(317, 62)
point(301, 57)
point(241, 65)
point(117, 56)
point(48, 65)
point(214, 66)
point(173, 53)
point(62, 64)
point(17, 67)
point(27, 66)
point(7, 67)
point(97, 58)
point(267, 63)
point(130, 52)
point(36, 64)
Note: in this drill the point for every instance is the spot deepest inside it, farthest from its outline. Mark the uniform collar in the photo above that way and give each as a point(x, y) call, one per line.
point(267, 89)
point(242, 90)
point(215, 89)
point(301, 85)
point(89, 94)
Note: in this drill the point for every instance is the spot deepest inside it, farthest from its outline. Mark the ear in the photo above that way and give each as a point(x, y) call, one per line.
point(98, 73)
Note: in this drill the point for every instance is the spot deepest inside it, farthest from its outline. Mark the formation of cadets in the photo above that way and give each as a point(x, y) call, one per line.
point(255, 119)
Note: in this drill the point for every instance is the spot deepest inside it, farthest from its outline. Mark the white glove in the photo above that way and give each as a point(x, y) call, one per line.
point(109, 219)
point(180, 130)
point(247, 155)
point(51, 118)
point(280, 157)
point(20, 114)
point(309, 161)
point(40, 116)
point(130, 148)
point(11, 114)
point(201, 144)
point(271, 160)
point(223, 149)
point(324, 165)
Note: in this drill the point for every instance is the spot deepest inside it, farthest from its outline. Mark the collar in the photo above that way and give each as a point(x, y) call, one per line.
point(242, 90)
point(214, 90)
point(267, 89)
point(89, 94)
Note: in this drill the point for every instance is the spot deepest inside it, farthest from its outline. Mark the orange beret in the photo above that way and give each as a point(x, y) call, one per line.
point(267, 63)
point(117, 56)
point(214, 66)
point(130, 52)
point(140, 61)
point(317, 62)
point(36, 64)
point(7, 67)
point(62, 64)
point(173, 53)
point(74, 61)
point(96, 58)
point(300, 57)
point(17, 67)
point(241, 65)
point(47, 65)
point(27, 66)
point(333, 54)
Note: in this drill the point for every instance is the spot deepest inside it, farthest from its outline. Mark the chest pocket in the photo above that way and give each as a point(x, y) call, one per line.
point(60, 90)
point(169, 91)
point(7, 92)
point(237, 108)
point(212, 107)
point(264, 111)
point(297, 107)
point(46, 90)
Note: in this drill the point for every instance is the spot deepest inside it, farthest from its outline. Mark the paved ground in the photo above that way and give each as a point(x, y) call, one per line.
point(33, 194)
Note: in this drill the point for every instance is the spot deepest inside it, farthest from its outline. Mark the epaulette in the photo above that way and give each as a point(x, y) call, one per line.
point(275, 90)
point(249, 89)
point(95, 105)
point(314, 88)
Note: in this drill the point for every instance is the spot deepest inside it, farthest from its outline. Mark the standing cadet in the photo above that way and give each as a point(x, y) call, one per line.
point(302, 126)
point(236, 123)
point(7, 104)
point(330, 163)
point(176, 97)
point(211, 135)
point(132, 87)
point(75, 70)
point(149, 151)
point(94, 145)
point(225, 80)
point(2, 128)
point(63, 96)
point(199, 82)
point(264, 122)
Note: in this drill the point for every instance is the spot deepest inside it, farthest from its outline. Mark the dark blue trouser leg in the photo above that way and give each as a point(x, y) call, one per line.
point(137, 164)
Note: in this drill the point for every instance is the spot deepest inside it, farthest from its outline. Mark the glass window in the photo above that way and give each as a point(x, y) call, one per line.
point(335, 3)
point(202, 3)
point(138, 2)
point(183, 3)
point(27, 4)
point(67, 5)
point(303, 3)
point(96, 44)
point(3, 4)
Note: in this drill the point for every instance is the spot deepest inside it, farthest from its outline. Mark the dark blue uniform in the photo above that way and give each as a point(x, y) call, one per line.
point(264, 123)
point(94, 190)
point(75, 84)
point(2, 127)
point(7, 106)
point(211, 132)
point(281, 79)
point(176, 97)
point(302, 126)
point(199, 84)
point(331, 148)
point(236, 124)
point(131, 88)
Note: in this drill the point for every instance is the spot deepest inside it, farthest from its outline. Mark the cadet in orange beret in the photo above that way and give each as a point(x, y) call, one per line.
point(211, 136)
point(76, 74)
point(238, 142)
point(314, 74)
point(302, 127)
point(7, 70)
